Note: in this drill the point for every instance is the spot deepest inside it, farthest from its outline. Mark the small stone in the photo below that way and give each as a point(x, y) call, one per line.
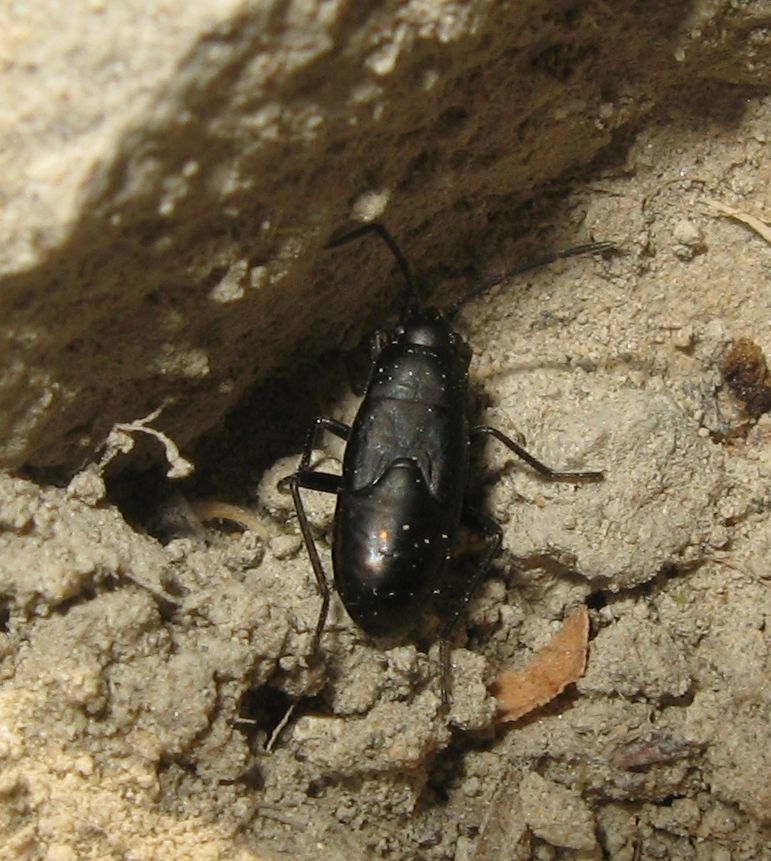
point(682, 339)
point(557, 814)
point(689, 240)
point(285, 546)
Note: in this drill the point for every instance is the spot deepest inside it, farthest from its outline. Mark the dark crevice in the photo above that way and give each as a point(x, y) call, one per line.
point(597, 600)
point(262, 710)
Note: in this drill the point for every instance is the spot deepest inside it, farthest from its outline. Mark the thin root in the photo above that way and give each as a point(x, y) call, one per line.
point(760, 227)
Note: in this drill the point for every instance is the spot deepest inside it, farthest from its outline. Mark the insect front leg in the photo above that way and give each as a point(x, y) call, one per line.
point(324, 482)
point(322, 423)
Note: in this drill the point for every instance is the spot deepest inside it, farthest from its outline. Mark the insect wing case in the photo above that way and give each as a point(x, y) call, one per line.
point(404, 478)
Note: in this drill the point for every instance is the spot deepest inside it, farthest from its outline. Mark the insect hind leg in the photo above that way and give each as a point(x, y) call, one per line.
point(324, 482)
point(484, 524)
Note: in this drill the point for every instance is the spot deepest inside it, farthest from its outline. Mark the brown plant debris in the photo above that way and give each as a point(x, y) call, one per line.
point(744, 370)
point(560, 663)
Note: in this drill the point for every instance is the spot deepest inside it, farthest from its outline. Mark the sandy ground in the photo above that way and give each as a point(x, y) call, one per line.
point(143, 678)
point(170, 177)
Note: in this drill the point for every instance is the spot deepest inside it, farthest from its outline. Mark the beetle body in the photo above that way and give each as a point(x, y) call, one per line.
point(404, 476)
point(401, 495)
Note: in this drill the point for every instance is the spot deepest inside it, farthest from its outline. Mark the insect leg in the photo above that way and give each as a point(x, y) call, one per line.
point(320, 424)
point(483, 523)
point(538, 466)
point(325, 482)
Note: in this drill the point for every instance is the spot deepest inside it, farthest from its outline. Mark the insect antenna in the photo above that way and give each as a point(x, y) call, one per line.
point(411, 303)
point(493, 280)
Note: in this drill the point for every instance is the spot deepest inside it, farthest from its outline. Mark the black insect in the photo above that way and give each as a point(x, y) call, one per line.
point(401, 496)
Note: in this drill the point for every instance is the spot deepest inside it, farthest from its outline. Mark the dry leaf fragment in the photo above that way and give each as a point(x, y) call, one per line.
point(560, 663)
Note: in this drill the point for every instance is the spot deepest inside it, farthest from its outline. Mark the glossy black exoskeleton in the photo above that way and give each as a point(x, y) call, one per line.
point(402, 492)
